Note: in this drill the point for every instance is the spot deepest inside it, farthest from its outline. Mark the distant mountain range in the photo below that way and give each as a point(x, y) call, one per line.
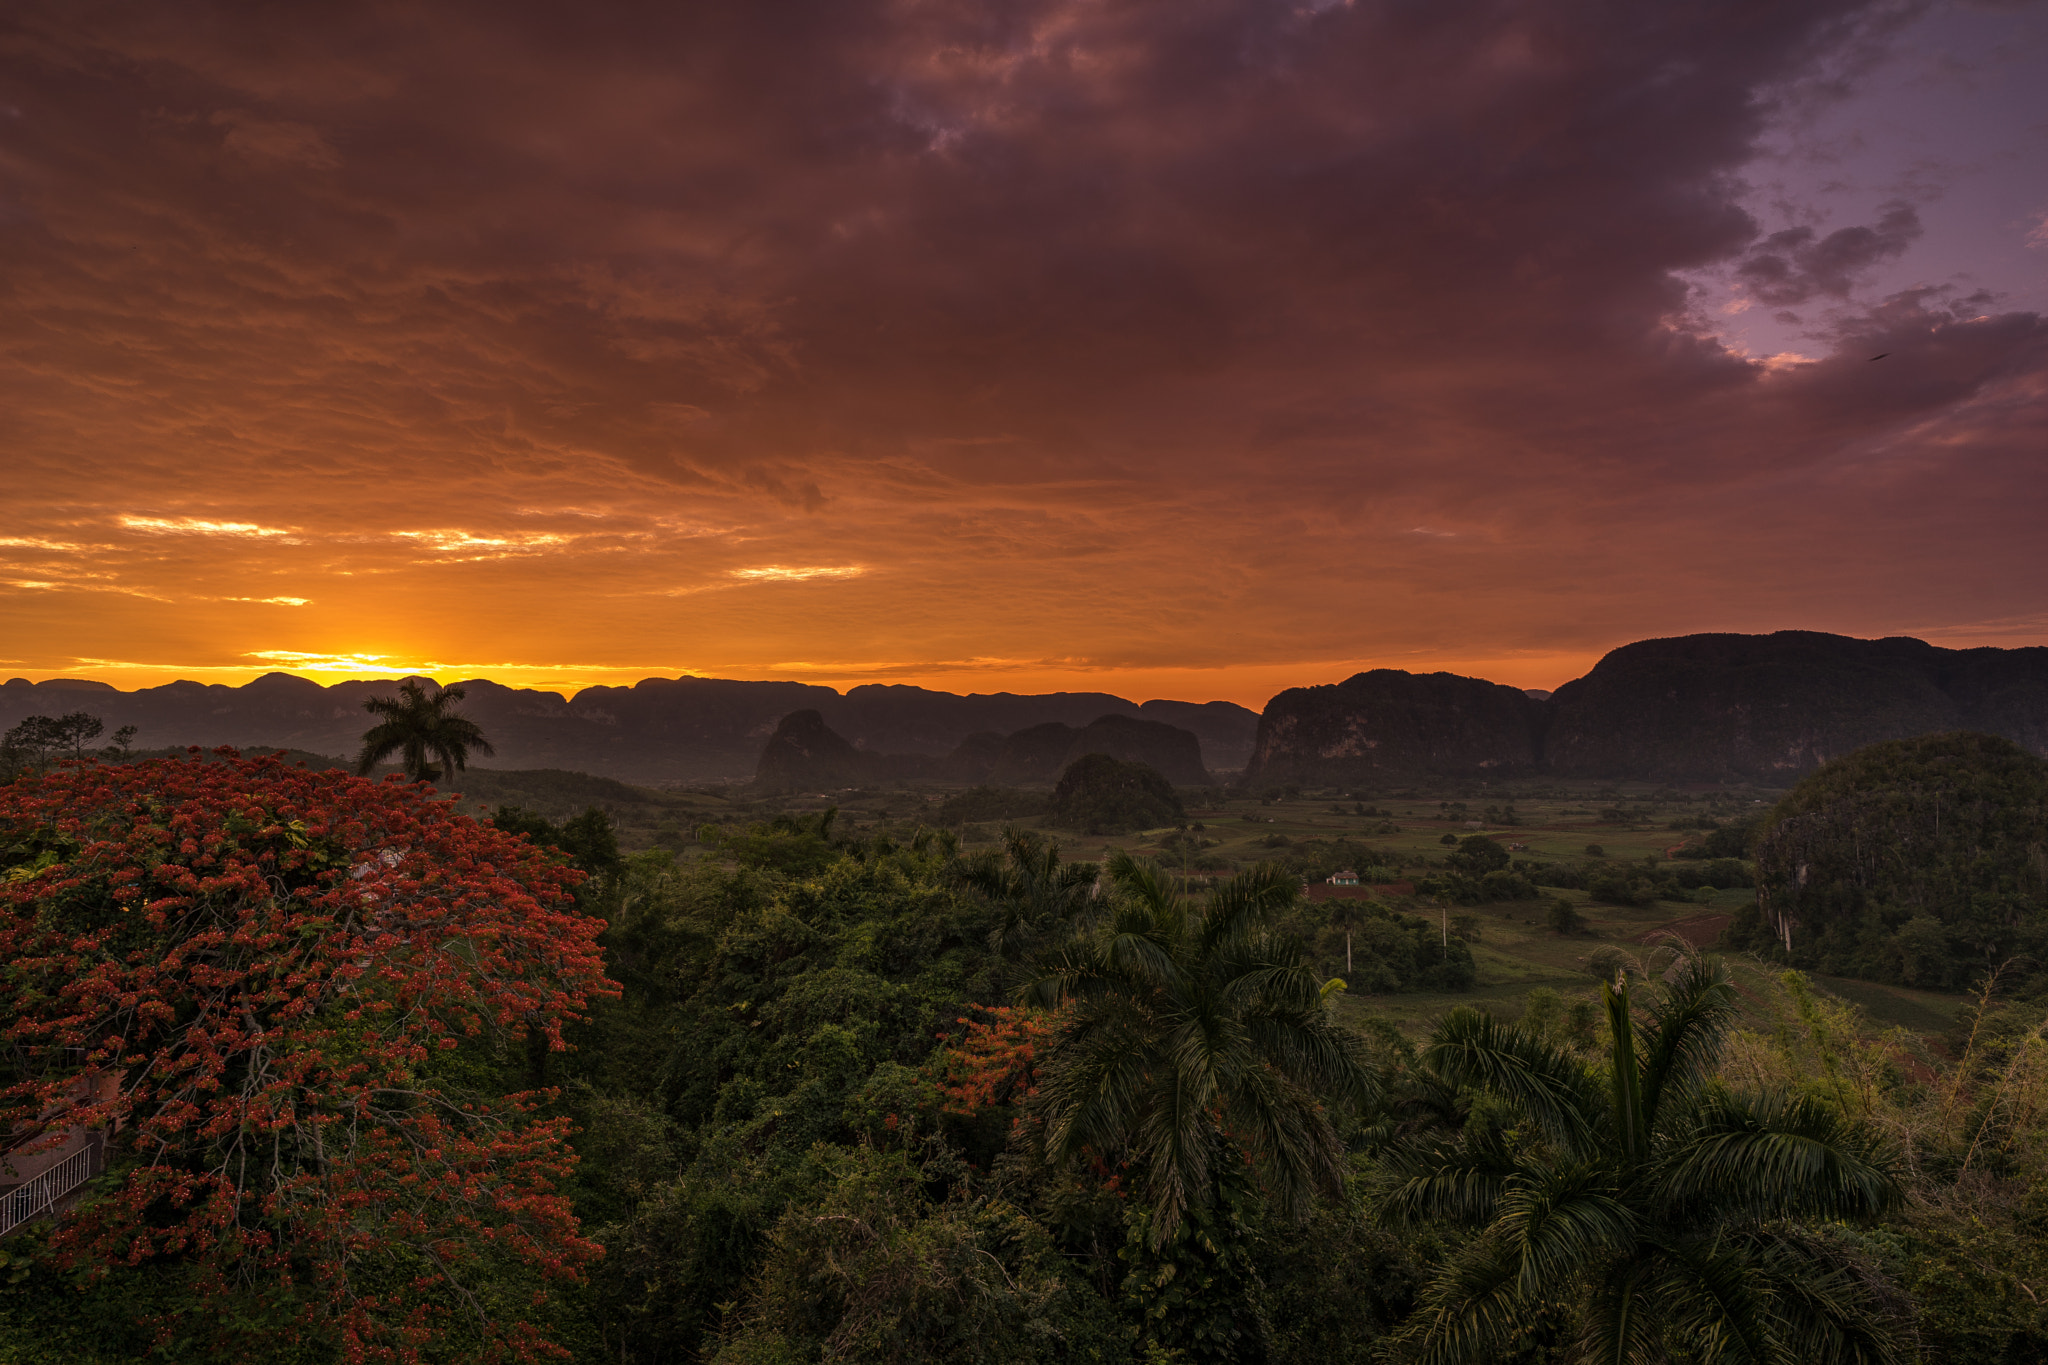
point(659, 730)
point(1758, 708)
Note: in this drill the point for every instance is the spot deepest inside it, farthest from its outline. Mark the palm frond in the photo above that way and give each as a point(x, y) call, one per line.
point(1458, 1185)
point(1472, 1310)
point(379, 743)
point(1625, 1073)
point(1275, 1119)
point(1247, 901)
point(1142, 881)
point(1472, 1049)
point(1685, 1032)
point(1563, 1221)
point(418, 725)
point(1094, 1088)
point(1648, 1208)
point(1776, 1157)
point(1713, 1300)
point(1182, 1042)
point(1267, 985)
point(1619, 1324)
point(1314, 1053)
point(1141, 960)
point(1828, 1303)
point(1174, 1128)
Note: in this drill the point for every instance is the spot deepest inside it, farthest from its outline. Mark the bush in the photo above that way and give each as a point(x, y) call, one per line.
point(1503, 885)
point(1606, 962)
point(1461, 888)
point(1621, 885)
point(1478, 855)
point(1723, 874)
point(1563, 917)
point(1730, 841)
point(875, 1270)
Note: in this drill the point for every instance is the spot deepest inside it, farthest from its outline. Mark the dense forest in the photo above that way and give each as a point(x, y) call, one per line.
point(379, 1080)
point(1922, 862)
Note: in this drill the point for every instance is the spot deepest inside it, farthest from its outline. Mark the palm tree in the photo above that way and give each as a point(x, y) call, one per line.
point(420, 727)
point(1654, 1211)
point(1037, 897)
point(1191, 1034)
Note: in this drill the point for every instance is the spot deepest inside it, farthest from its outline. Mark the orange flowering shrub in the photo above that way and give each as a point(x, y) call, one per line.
point(248, 973)
point(996, 1062)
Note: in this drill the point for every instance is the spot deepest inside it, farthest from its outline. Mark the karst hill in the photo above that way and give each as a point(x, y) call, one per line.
point(805, 754)
point(1756, 708)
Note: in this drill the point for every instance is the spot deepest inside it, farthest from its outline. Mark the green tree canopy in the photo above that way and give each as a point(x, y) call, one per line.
point(1639, 1212)
point(1192, 1033)
point(1038, 898)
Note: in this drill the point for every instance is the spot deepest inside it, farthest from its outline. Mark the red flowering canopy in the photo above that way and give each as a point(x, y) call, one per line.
point(247, 972)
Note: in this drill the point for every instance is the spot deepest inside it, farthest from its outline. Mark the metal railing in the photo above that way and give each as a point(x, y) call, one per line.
point(35, 1197)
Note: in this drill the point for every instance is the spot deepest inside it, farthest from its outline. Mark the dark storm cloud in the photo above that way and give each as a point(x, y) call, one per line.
point(1002, 302)
point(1794, 266)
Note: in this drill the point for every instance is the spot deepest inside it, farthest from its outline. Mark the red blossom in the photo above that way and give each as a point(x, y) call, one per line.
point(243, 969)
point(995, 1063)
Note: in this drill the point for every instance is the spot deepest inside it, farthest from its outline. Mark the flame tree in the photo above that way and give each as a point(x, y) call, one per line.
point(264, 982)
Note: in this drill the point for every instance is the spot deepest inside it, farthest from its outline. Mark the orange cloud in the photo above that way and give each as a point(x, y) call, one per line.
point(1193, 351)
point(199, 526)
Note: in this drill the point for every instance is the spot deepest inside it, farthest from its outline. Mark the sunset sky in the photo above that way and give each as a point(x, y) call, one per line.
point(1191, 349)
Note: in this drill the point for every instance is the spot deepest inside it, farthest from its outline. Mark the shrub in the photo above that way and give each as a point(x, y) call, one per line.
point(1478, 855)
point(1563, 917)
point(1503, 885)
point(1604, 963)
point(1621, 886)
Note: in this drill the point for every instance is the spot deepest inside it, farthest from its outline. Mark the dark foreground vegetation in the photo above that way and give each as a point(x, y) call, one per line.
point(377, 1080)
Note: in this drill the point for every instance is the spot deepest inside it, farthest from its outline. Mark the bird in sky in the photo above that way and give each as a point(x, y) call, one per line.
point(1880, 355)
